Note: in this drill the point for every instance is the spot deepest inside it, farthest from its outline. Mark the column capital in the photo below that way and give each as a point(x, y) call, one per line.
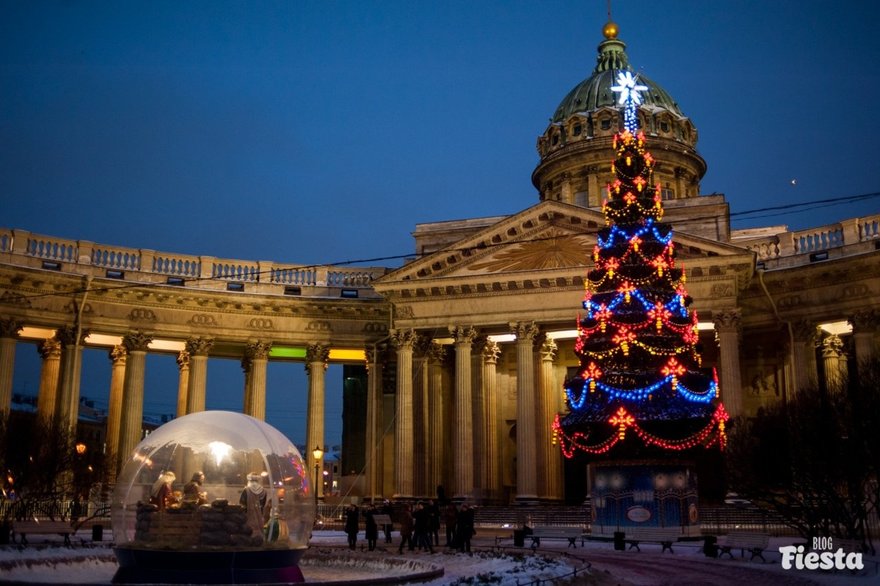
point(9, 328)
point(404, 338)
point(463, 334)
point(67, 335)
point(490, 351)
point(832, 346)
point(727, 320)
point(422, 347)
point(136, 341)
point(183, 359)
point(437, 352)
point(865, 321)
point(199, 346)
point(526, 332)
point(318, 353)
point(548, 349)
point(257, 350)
point(49, 348)
point(118, 354)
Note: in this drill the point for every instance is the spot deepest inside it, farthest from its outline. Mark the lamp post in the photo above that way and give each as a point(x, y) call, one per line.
point(317, 453)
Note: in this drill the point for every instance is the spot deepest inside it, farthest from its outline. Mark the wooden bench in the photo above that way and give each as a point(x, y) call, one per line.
point(754, 543)
point(35, 527)
point(665, 536)
point(572, 534)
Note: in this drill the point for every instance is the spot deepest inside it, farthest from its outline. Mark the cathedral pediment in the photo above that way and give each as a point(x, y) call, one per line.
point(550, 238)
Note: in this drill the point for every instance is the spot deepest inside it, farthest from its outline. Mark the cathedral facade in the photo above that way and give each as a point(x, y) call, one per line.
point(460, 356)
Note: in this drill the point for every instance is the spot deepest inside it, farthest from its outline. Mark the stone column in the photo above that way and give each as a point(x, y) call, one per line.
point(131, 421)
point(436, 434)
point(248, 398)
point(47, 397)
point(526, 476)
point(727, 332)
point(463, 432)
point(9, 329)
point(182, 382)
point(67, 409)
point(375, 428)
point(118, 356)
point(421, 418)
point(551, 456)
point(316, 366)
point(802, 348)
point(257, 357)
point(198, 349)
point(864, 327)
point(834, 359)
point(490, 459)
point(403, 428)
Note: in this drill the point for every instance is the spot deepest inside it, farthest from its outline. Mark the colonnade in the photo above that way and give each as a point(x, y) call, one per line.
point(448, 425)
point(58, 394)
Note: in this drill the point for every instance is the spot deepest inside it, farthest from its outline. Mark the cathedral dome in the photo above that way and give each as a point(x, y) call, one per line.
point(574, 148)
point(595, 92)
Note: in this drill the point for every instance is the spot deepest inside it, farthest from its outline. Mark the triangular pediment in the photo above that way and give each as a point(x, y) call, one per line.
point(550, 237)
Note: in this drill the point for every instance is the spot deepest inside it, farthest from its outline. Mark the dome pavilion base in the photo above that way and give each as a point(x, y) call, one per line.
point(150, 566)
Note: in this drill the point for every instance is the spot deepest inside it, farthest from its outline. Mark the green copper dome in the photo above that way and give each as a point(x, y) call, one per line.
point(595, 91)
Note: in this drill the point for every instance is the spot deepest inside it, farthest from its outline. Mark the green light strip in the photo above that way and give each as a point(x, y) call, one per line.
point(287, 352)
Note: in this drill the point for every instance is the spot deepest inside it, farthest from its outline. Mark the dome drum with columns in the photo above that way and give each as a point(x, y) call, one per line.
point(574, 148)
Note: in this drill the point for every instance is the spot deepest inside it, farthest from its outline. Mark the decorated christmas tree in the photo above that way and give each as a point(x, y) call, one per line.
point(640, 389)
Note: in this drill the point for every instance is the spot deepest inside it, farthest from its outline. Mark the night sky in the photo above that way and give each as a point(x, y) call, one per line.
point(323, 132)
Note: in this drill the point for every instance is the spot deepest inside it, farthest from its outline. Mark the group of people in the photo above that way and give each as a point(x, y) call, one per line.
point(419, 525)
point(371, 524)
point(162, 493)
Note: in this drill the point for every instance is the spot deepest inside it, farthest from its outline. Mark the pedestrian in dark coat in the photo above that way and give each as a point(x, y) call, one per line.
point(351, 525)
point(421, 527)
point(465, 527)
point(406, 529)
point(371, 530)
point(450, 517)
point(434, 522)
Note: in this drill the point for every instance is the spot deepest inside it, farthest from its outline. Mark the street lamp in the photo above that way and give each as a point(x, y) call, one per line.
point(317, 453)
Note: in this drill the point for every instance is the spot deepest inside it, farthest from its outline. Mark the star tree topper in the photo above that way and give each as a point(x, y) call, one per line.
point(630, 98)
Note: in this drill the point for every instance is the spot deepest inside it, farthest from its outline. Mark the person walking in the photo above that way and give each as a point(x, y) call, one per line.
point(351, 525)
point(406, 528)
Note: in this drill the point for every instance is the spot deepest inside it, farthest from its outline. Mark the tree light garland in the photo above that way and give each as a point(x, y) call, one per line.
point(637, 340)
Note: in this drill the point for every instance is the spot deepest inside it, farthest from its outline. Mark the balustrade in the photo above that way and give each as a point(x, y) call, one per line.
point(816, 239)
point(869, 228)
point(236, 270)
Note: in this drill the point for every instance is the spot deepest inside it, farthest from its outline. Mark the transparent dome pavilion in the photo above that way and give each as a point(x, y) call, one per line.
point(214, 481)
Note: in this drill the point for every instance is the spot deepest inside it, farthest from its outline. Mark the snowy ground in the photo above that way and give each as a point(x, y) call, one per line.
point(47, 561)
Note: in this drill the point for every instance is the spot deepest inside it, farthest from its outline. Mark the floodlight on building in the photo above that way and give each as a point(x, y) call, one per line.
point(837, 328)
point(501, 338)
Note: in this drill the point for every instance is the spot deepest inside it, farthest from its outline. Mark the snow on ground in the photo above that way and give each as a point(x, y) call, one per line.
point(52, 563)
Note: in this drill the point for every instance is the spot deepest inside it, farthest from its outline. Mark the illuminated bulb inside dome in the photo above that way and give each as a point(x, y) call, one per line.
point(219, 450)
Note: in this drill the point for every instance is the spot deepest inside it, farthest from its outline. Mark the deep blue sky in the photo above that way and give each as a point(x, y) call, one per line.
point(320, 132)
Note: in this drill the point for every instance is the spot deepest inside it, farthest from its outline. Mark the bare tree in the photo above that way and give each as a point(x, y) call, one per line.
point(815, 460)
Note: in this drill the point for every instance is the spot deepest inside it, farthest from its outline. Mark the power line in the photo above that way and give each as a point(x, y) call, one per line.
point(734, 216)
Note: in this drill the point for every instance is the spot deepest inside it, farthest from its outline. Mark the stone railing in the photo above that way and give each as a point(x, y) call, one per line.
point(784, 248)
point(22, 248)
